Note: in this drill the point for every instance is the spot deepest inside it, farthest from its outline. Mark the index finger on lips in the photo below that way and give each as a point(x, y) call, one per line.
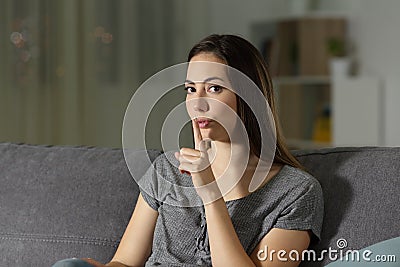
point(196, 134)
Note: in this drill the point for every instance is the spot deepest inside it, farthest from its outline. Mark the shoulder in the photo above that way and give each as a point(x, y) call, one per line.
point(298, 190)
point(303, 205)
point(298, 179)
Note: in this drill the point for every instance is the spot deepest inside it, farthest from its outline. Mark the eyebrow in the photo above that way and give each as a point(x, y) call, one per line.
point(206, 80)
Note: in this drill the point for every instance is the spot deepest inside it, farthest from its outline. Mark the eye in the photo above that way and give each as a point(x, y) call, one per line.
point(215, 88)
point(190, 89)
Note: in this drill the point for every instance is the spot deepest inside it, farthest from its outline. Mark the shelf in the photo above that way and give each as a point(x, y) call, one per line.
point(298, 52)
point(302, 80)
point(306, 144)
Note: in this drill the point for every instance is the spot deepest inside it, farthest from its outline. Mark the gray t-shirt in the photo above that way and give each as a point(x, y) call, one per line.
point(292, 200)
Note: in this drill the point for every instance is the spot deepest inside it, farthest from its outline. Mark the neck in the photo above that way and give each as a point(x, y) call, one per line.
point(234, 166)
point(226, 155)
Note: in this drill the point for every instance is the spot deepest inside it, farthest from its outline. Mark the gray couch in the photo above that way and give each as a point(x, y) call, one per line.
point(58, 202)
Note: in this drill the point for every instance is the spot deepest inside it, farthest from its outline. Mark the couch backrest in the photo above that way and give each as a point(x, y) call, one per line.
point(59, 202)
point(361, 189)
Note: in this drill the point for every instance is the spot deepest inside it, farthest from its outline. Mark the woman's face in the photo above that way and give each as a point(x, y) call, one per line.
point(208, 99)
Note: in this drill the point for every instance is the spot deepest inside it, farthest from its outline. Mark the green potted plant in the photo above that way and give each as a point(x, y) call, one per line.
point(336, 47)
point(339, 62)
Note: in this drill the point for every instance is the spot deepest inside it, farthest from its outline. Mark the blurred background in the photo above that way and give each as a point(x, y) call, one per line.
point(68, 68)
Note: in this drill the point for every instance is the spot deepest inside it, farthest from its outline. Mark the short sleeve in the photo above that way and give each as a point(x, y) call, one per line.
point(148, 185)
point(151, 201)
point(305, 211)
point(164, 184)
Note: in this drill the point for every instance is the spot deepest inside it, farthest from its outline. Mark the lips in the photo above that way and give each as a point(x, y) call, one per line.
point(203, 122)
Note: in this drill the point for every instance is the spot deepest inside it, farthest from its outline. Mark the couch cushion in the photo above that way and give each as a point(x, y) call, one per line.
point(361, 189)
point(59, 202)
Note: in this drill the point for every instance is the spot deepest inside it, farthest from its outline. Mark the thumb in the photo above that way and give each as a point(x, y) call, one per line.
point(204, 145)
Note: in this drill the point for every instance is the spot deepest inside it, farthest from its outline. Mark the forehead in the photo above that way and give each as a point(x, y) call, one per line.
point(207, 56)
point(208, 71)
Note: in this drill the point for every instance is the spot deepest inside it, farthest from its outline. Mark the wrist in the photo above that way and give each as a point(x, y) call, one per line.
point(209, 192)
point(203, 177)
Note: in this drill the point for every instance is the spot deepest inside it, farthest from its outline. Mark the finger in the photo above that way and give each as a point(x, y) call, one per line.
point(187, 158)
point(193, 168)
point(178, 157)
point(186, 167)
point(187, 172)
point(204, 145)
point(190, 152)
point(196, 134)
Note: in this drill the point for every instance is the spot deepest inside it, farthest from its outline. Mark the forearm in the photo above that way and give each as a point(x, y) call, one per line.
point(116, 264)
point(110, 264)
point(225, 246)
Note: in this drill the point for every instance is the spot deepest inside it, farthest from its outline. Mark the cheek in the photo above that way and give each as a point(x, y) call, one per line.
point(232, 104)
point(225, 110)
point(189, 107)
point(228, 101)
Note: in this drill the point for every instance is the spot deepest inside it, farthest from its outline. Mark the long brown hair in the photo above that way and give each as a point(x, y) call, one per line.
point(240, 54)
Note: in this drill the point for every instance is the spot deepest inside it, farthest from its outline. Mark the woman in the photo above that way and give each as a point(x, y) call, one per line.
point(234, 227)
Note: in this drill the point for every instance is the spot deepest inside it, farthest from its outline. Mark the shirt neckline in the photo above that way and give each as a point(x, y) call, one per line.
point(262, 188)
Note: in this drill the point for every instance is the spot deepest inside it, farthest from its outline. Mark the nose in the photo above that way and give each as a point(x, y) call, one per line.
point(200, 104)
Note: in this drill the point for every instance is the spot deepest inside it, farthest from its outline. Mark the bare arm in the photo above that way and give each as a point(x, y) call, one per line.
point(225, 246)
point(136, 243)
point(226, 249)
point(281, 239)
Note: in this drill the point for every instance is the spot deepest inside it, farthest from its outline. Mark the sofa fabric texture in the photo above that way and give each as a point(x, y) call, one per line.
point(361, 188)
point(62, 201)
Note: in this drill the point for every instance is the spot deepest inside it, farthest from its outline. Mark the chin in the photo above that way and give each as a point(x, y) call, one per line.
point(205, 133)
point(214, 136)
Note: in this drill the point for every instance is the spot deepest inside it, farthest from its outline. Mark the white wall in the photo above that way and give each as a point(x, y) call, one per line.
point(236, 16)
point(373, 29)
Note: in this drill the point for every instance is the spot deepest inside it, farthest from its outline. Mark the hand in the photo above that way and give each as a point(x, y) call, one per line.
point(195, 162)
